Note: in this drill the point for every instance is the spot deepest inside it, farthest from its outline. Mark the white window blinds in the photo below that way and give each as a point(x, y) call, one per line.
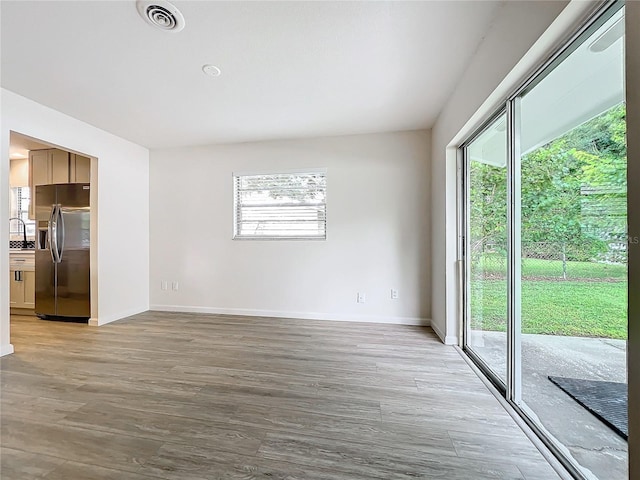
point(280, 206)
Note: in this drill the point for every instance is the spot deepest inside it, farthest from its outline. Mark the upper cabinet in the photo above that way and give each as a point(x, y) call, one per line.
point(19, 172)
point(79, 169)
point(48, 166)
point(55, 166)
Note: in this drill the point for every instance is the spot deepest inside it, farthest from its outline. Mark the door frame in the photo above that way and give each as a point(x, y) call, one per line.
point(465, 248)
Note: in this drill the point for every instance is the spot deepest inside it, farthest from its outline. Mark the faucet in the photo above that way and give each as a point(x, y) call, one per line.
point(24, 231)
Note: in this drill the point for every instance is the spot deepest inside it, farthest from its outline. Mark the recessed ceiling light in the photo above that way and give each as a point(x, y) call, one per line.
point(17, 155)
point(211, 70)
point(161, 14)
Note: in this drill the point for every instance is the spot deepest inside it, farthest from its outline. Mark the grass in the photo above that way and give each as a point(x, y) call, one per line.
point(494, 264)
point(586, 307)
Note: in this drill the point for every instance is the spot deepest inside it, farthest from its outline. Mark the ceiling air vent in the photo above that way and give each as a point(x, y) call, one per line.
point(161, 14)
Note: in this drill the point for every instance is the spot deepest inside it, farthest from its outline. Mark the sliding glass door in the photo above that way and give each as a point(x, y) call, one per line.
point(486, 248)
point(545, 249)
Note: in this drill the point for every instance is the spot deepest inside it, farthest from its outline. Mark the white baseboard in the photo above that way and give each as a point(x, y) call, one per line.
point(446, 339)
point(6, 349)
point(104, 319)
point(302, 315)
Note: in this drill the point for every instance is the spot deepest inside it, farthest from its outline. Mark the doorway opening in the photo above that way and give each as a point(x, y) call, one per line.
point(52, 256)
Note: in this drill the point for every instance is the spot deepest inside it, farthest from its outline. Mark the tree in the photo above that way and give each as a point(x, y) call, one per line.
point(573, 193)
point(574, 188)
point(488, 201)
point(601, 148)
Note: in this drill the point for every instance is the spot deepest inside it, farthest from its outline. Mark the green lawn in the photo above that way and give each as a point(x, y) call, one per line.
point(494, 264)
point(558, 307)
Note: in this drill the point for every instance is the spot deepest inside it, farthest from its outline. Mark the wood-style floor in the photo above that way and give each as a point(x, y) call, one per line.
point(194, 397)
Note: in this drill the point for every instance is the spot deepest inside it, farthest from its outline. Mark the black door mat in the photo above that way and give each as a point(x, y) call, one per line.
point(606, 400)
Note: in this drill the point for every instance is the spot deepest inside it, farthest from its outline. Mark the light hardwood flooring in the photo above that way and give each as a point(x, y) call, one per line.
point(195, 397)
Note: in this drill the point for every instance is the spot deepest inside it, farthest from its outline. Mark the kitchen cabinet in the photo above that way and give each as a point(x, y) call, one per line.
point(55, 166)
point(19, 172)
point(79, 169)
point(49, 166)
point(22, 289)
point(46, 167)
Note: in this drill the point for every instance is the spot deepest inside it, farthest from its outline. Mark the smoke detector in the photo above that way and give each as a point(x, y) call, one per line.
point(211, 70)
point(161, 14)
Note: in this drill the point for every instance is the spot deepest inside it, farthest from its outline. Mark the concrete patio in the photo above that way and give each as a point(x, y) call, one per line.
point(592, 443)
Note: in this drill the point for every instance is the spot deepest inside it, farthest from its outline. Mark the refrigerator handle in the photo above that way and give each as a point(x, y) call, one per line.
point(53, 234)
point(50, 232)
point(60, 247)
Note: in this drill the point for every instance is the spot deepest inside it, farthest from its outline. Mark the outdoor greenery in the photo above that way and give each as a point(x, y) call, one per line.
point(581, 309)
point(573, 192)
point(495, 266)
point(573, 235)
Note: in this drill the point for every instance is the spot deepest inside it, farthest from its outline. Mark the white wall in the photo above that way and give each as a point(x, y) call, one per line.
point(378, 234)
point(123, 205)
point(513, 46)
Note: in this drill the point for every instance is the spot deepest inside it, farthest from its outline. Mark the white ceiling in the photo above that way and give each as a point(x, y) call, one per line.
point(587, 83)
point(289, 69)
point(21, 145)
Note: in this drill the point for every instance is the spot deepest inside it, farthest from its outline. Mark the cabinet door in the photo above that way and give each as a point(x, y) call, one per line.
point(59, 166)
point(80, 169)
point(29, 284)
point(16, 290)
point(39, 174)
point(39, 167)
point(19, 172)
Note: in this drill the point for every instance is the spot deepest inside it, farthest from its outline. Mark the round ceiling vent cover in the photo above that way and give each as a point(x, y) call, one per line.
point(161, 14)
point(211, 70)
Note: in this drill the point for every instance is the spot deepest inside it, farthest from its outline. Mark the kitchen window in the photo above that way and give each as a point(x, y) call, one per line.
point(19, 208)
point(273, 206)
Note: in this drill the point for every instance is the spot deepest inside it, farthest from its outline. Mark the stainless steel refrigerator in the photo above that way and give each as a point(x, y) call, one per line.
point(62, 252)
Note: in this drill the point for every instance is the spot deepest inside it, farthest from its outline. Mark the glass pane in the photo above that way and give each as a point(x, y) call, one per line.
point(281, 205)
point(487, 257)
point(574, 251)
point(19, 208)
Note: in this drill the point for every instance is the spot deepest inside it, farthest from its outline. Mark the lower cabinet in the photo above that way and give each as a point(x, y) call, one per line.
point(23, 289)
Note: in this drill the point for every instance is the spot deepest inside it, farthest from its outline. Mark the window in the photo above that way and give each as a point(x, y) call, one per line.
point(281, 205)
point(19, 208)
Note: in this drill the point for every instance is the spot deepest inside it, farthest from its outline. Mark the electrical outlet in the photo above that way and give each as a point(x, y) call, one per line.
point(164, 285)
point(174, 286)
point(362, 297)
point(394, 294)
